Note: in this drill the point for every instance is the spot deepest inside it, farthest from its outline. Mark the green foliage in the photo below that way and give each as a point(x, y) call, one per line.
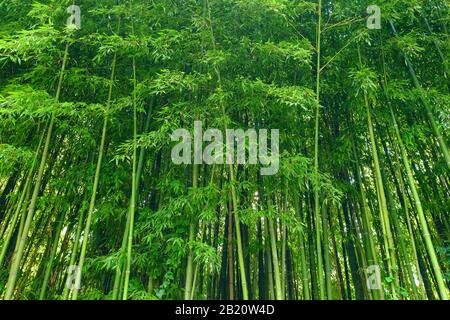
point(230, 64)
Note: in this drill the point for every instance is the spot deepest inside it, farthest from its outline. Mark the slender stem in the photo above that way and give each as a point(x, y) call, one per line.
point(37, 187)
point(95, 184)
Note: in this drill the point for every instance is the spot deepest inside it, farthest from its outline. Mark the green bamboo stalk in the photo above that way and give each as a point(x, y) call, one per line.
point(118, 273)
point(283, 259)
point(190, 260)
point(329, 291)
point(442, 288)
point(276, 267)
point(18, 210)
point(32, 207)
point(303, 266)
point(367, 225)
point(134, 186)
point(51, 258)
point(317, 219)
point(384, 214)
point(95, 184)
point(74, 252)
point(231, 175)
point(429, 112)
point(443, 291)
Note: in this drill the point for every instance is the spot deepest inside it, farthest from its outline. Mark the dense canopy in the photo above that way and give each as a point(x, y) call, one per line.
point(93, 207)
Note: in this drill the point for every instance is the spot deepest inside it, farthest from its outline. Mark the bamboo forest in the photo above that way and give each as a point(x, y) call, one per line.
point(114, 114)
